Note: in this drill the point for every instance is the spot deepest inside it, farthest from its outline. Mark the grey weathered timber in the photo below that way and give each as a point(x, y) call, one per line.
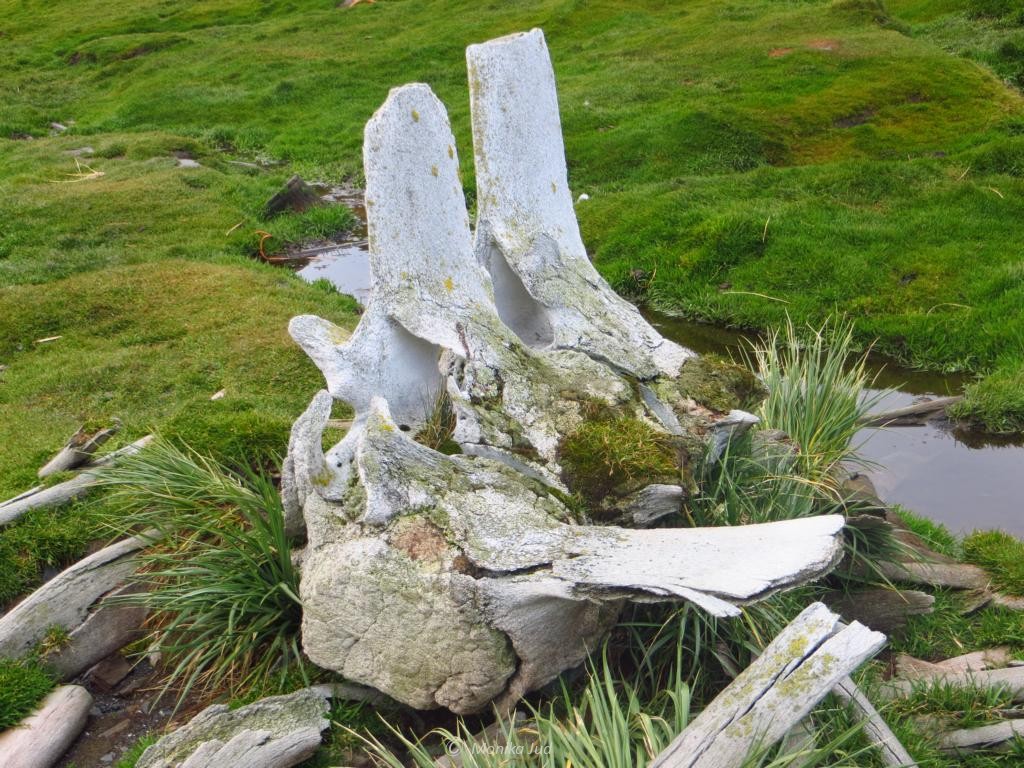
point(78, 450)
point(911, 414)
point(69, 490)
point(999, 737)
point(66, 599)
point(936, 574)
point(464, 580)
point(797, 669)
point(886, 610)
point(41, 738)
point(108, 628)
point(892, 752)
point(276, 732)
point(1010, 679)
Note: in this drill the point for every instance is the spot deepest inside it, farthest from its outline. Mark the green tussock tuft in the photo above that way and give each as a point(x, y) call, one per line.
point(1002, 555)
point(23, 684)
point(815, 393)
point(219, 579)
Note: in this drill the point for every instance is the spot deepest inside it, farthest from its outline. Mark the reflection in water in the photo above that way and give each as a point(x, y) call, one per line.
point(962, 479)
point(342, 262)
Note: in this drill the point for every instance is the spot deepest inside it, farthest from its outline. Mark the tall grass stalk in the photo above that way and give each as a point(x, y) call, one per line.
point(816, 392)
point(607, 724)
point(220, 584)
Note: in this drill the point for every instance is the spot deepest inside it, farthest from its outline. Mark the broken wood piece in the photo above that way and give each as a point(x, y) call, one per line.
point(886, 610)
point(1010, 679)
point(79, 449)
point(65, 600)
point(108, 628)
point(41, 738)
point(910, 668)
point(276, 732)
point(69, 490)
point(892, 752)
point(911, 415)
point(952, 575)
point(1009, 602)
point(797, 669)
point(998, 737)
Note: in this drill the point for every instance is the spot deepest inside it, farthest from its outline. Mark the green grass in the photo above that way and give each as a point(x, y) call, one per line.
point(45, 539)
point(1002, 555)
point(23, 684)
point(813, 151)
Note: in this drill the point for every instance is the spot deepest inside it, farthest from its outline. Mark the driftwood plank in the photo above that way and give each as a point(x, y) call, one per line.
point(990, 738)
point(953, 575)
point(107, 629)
point(276, 732)
point(886, 610)
point(42, 737)
point(67, 491)
point(65, 600)
point(893, 753)
point(797, 669)
point(78, 450)
point(1011, 679)
point(911, 414)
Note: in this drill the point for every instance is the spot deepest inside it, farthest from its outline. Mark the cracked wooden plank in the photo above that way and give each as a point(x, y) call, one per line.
point(797, 669)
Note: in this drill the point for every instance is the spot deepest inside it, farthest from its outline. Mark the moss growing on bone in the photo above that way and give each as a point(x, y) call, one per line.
point(613, 452)
point(719, 385)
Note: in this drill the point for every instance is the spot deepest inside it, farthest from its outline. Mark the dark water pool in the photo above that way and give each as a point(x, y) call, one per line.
point(964, 480)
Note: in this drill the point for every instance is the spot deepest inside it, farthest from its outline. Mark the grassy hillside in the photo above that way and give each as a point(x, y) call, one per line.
point(743, 160)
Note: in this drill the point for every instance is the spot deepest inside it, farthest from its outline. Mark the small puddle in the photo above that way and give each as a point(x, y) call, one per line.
point(959, 478)
point(343, 262)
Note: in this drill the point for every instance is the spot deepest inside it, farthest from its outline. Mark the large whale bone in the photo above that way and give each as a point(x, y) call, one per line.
point(527, 234)
point(454, 580)
point(432, 308)
point(458, 581)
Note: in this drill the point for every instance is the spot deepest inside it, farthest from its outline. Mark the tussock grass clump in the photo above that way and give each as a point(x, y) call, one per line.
point(815, 393)
point(220, 580)
point(23, 684)
point(605, 724)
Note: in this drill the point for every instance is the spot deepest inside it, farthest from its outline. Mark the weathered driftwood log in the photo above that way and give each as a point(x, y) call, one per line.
point(936, 574)
point(69, 490)
point(277, 732)
point(910, 668)
point(108, 628)
point(66, 599)
point(914, 414)
point(78, 450)
point(999, 737)
point(45, 735)
point(458, 580)
point(1010, 680)
point(886, 610)
point(892, 752)
point(796, 671)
